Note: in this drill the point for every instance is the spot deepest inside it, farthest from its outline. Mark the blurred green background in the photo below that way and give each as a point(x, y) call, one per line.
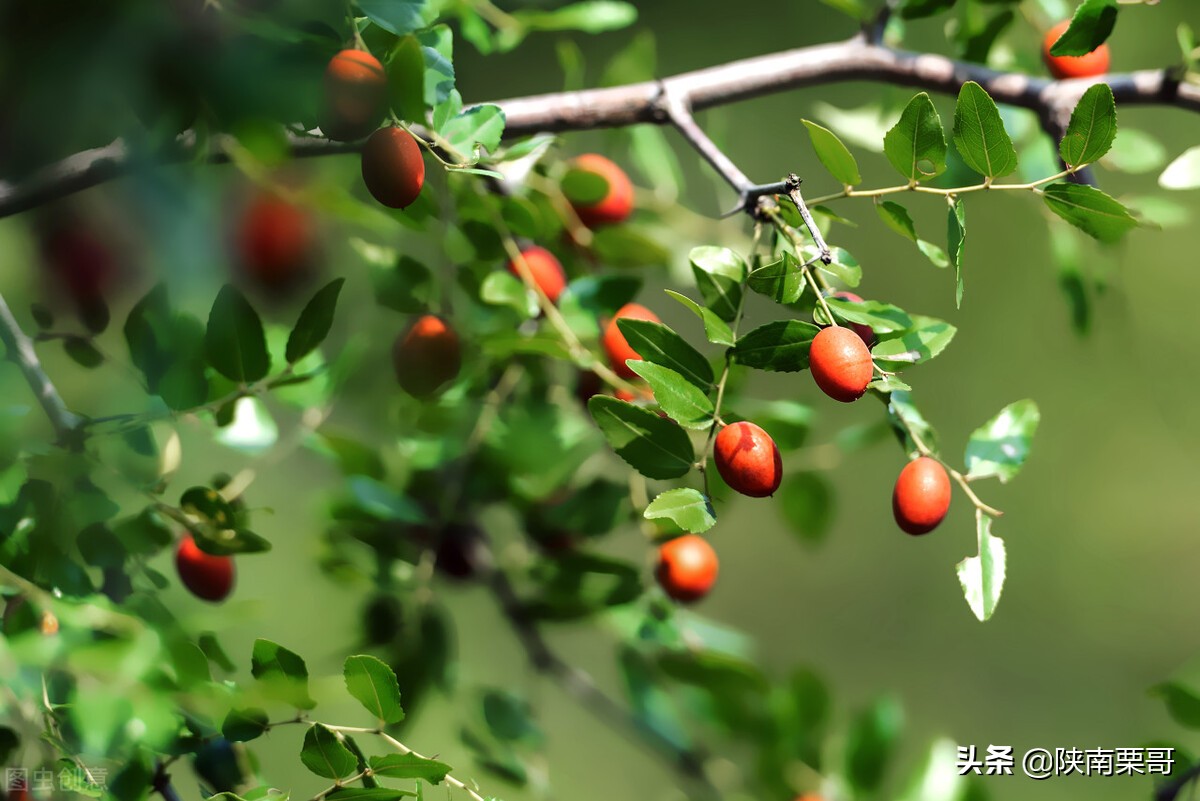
point(1101, 593)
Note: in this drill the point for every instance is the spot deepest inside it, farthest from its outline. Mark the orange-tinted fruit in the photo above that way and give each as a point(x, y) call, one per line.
point(426, 356)
point(275, 241)
point(617, 203)
point(748, 459)
point(614, 342)
point(687, 568)
point(209, 577)
point(392, 167)
point(922, 496)
point(1085, 66)
point(546, 270)
point(355, 95)
point(840, 363)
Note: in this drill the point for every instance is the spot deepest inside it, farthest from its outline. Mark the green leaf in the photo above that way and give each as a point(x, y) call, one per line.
point(1090, 27)
point(657, 343)
point(982, 576)
point(325, 755)
point(687, 508)
point(283, 674)
point(855, 9)
point(1092, 128)
point(806, 502)
point(371, 794)
point(409, 766)
point(502, 288)
point(881, 317)
point(374, 684)
point(234, 341)
point(916, 145)
point(843, 266)
point(589, 16)
point(1183, 703)
point(1090, 210)
point(788, 422)
point(314, 322)
point(833, 154)
point(81, 351)
point(381, 501)
point(780, 346)
point(406, 79)
point(916, 9)
point(716, 330)
point(655, 447)
point(927, 338)
point(956, 237)
point(9, 742)
point(1000, 446)
point(871, 744)
point(584, 187)
point(398, 16)
point(1135, 151)
point(979, 134)
point(719, 275)
point(782, 280)
point(483, 125)
point(243, 725)
point(896, 217)
point(683, 401)
point(437, 45)
point(629, 245)
point(1183, 172)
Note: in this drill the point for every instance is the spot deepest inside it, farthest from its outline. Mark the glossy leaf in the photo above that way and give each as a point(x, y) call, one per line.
point(780, 346)
point(782, 280)
point(243, 725)
point(683, 401)
point(374, 685)
point(1091, 25)
point(1089, 210)
point(282, 673)
point(716, 330)
point(836, 157)
point(482, 125)
point(881, 317)
point(979, 134)
point(916, 145)
point(1000, 446)
point(409, 766)
point(956, 237)
point(1093, 127)
point(397, 16)
point(657, 343)
point(926, 339)
point(325, 755)
point(719, 274)
point(315, 321)
point(234, 341)
point(655, 447)
point(982, 576)
point(687, 508)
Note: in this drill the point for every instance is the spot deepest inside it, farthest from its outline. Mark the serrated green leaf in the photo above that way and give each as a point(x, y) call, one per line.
point(325, 755)
point(782, 280)
point(926, 339)
point(1092, 128)
point(719, 274)
point(374, 685)
point(1089, 210)
point(657, 343)
point(482, 124)
point(687, 508)
point(1090, 27)
point(234, 341)
point(956, 237)
point(716, 330)
point(283, 674)
point(780, 346)
point(916, 144)
point(881, 317)
point(1000, 446)
point(979, 134)
point(655, 447)
point(682, 400)
point(314, 322)
point(982, 576)
point(834, 155)
point(409, 766)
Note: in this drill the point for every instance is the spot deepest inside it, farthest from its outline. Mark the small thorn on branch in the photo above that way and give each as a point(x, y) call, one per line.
point(793, 182)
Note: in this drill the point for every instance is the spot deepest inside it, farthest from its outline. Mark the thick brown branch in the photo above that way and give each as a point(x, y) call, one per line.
point(852, 60)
